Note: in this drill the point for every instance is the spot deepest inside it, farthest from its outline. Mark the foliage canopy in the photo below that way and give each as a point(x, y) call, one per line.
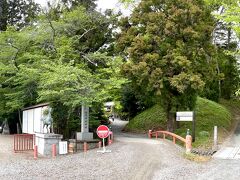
point(169, 48)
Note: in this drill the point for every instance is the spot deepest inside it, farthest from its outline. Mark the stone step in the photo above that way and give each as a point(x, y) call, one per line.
point(228, 153)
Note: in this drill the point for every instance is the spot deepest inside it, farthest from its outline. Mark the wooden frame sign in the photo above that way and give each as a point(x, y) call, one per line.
point(184, 116)
point(187, 116)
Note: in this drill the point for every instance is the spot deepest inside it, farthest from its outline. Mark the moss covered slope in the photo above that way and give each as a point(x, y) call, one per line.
point(208, 114)
point(152, 118)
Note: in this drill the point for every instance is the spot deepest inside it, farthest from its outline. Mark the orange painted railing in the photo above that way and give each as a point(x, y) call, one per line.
point(174, 136)
point(187, 142)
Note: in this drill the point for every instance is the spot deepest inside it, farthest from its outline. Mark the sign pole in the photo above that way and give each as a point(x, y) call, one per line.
point(193, 128)
point(104, 149)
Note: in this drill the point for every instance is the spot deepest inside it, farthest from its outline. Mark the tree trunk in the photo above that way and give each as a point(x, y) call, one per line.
point(20, 119)
point(170, 119)
point(177, 122)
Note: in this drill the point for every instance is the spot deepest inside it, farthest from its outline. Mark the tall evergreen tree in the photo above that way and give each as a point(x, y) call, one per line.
point(169, 49)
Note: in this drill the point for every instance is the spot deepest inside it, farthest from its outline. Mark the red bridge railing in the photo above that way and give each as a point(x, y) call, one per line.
point(24, 142)
point(187, 142)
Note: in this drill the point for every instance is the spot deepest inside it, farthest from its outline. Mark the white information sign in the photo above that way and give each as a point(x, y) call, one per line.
point(184, 116)
point(63, 147)
point(32, 122)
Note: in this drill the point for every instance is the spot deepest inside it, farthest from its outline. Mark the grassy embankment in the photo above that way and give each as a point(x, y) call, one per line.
point(208, 114)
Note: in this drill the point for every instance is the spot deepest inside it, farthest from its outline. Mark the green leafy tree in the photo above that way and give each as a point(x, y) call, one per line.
point(62, 60)
point(18, 13)
point(88, 4)
point(169, 50)
point(3, 15)
point(225, 38)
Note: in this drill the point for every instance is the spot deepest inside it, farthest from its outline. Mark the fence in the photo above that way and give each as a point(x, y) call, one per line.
point(24, 142)
point(174, 136)
point(187, 142)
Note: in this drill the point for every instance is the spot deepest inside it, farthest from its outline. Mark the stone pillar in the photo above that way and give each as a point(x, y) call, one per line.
point(45, 142)
point(84, 134)
point(85, 119)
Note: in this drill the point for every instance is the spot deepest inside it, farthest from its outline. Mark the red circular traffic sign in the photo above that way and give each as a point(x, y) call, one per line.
point(102, 131)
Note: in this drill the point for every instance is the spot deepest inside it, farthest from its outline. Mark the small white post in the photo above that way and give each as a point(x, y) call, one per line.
point(104, 149)
point(215, 137)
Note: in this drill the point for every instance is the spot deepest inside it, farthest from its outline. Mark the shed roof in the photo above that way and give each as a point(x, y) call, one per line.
point(35, 106)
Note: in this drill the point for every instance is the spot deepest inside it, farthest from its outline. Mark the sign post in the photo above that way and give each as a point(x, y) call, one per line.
point(187, 116)
point(193, 128)
point(103, 132)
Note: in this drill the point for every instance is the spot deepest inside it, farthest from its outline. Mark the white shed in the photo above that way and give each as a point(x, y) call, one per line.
point(31, 120)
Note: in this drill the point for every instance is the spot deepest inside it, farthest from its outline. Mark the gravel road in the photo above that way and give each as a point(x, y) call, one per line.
point(133, 157)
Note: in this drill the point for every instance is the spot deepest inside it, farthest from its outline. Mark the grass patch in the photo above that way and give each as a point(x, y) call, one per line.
point(207, 114)
point(196, 158)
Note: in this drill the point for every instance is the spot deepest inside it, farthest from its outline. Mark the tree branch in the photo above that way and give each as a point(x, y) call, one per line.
point(86, 31)
point(89, 60)
point(15, 55)
point(53, 31)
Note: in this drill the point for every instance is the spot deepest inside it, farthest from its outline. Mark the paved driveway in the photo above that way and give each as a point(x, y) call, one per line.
point(231, 147)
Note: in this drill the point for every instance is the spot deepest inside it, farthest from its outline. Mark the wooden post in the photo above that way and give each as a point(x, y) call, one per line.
point(99, 144)
point(35, 153)
point(70, 148)
point(174, 140)
point(215, 137)
point(54, 151)
point(188, 143)
point(150, 134)
point(110, 138)
point(85, 146)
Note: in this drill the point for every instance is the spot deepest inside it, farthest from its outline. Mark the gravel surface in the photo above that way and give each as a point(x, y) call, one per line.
point(132, 157)
point(128, 160)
